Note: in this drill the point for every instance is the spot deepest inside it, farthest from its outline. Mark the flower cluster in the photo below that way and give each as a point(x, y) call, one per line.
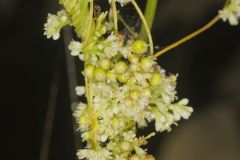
point(55, 23)
point(129, 89)
point(231, 12)
point(125, 88)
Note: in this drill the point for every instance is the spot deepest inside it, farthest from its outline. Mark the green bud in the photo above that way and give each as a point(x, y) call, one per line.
point(120, 67)
point(125, 146)
point(140, 47)
point(111, 76)
point(89, 71)
point(122, 78)
point(146, 64)
point(100, 74)
point(156, 79)
point(105, 64)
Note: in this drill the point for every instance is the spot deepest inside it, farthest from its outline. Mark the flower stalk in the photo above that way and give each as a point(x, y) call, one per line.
point(149, 15)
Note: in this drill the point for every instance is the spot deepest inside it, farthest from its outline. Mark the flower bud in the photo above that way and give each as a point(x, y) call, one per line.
point(156, 79)
point(125, 146)
point(120, 67)
point(111, 77)
point(135, 157)
point(99, 74)
point(105, 64)
point(122, 78)
point(89, 71)
point(139, 47)
point(146, 64)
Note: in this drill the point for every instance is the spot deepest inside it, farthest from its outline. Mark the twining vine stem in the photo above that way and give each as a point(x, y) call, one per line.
point(115, 18)
point(192, 35)
point(130, 30)
point(149, 15)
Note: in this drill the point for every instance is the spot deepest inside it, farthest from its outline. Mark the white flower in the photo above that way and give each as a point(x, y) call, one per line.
point(80, 90)
point(76, 48)
point(181, 110)
point(163, 121)
point(81, 57)
point(231, 12)
point(54, 24)
point(90, 154)
point(79, 110)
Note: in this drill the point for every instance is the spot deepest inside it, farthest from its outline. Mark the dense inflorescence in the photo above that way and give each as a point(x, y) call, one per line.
point(125, 88)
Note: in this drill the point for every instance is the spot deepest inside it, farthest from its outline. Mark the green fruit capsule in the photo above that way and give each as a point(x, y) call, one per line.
point(120, 67)
point(146, 64)
point(122, 78)
point(100, 74)
point(89, 70)
point(105, 64)
point(139, 47)
point(156, 79)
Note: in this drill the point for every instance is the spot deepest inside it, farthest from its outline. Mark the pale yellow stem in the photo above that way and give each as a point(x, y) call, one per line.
point(88, 86)
point(115, 18)
point(192, 35)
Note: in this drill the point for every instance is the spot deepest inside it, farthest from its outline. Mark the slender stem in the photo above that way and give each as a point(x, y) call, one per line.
point(88, 35)
point(145, 25)
point(134, 34)
point(88, 85)
point(192, 35)
point(115, 18)
point(149, 14)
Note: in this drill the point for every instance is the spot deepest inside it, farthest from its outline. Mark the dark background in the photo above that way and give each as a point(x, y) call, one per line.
point(208, 67)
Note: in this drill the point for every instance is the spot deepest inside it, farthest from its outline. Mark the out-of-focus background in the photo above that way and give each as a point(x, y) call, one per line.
point(208, 65)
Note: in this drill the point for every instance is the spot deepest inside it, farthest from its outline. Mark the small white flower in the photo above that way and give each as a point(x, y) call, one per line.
point(54, 24)
point(76, 48)
point(103, 138)
point(79, 110)
point(80, 90)
point(81, 57)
